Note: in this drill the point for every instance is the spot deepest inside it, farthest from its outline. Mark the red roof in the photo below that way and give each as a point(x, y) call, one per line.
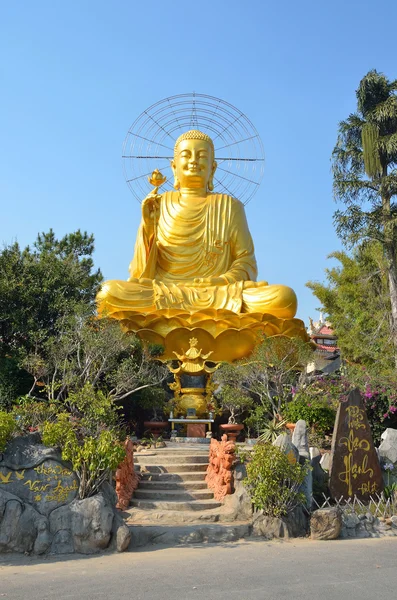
point(327, 348)
point(325, 330)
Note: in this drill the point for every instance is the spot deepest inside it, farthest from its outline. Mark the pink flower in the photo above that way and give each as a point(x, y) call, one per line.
point(386, 415)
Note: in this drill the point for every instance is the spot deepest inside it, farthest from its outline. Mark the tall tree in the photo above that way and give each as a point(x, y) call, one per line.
point(41, 284)
point(365, 176)
point(356, 300)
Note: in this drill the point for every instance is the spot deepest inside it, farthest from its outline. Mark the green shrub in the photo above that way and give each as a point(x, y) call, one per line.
point(7, 428)
point(234, 400)
point(257, 419)
point(89, 437)
point(92, 458)
point(31, 413)
point(273, 481)
point(272, 429)
point(13, 382)
point(316, 412)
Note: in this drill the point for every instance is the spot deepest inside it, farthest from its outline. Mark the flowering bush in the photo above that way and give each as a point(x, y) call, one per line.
point(380, 398)
point(317, 412)
point(379, 391)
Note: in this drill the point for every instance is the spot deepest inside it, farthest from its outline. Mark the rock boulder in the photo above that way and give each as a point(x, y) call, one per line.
point(388, 447)
point(326, 524)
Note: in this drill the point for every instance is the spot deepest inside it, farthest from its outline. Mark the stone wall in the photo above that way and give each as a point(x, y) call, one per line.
point(39, 509)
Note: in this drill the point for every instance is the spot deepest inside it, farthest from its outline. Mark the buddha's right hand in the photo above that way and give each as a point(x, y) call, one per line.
point(150, 210)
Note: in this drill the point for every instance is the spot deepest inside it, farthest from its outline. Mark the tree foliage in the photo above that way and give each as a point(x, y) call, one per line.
point(7, 427)
point(86, 350)
point(267, 376)
point(14, 381)
point(89, 437)
point(357, 302)
point(51, 341)
point(365, 176)
point(39, 285)
point(316, 411)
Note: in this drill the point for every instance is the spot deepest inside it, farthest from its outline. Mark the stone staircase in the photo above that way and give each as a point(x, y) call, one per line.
point(173, 505)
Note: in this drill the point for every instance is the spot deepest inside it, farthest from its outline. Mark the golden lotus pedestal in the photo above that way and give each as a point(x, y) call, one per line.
point(218, 336)
point(227, 335)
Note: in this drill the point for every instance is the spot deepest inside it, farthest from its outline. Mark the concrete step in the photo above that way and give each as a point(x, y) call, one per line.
point(172, 485)
point(194, 450)
point(172, 468)
point(193, 505)
point(141, 516)
point(143, 535)
point(180, 495)
point(172, 477)
point(170, 459)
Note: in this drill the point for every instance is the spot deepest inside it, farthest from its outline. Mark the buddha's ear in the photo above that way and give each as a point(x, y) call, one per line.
point(176, 180)
point(211, 179)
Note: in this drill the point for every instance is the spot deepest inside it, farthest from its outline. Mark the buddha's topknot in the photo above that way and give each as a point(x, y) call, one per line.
point(194, 134)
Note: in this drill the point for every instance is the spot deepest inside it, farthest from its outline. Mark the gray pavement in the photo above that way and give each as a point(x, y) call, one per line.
point(253, 570)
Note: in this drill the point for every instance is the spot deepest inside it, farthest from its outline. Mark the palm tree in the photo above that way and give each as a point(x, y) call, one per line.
point(365, 176)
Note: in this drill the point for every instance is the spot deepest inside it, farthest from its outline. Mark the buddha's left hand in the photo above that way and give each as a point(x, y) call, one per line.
point(202, 281)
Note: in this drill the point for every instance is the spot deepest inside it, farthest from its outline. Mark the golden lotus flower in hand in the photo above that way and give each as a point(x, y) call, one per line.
point(157, 178)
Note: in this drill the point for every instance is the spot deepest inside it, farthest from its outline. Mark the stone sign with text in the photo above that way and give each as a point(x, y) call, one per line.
point(355, 468)
point(45, 487)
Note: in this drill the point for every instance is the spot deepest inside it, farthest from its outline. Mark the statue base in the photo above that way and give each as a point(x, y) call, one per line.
point(196, 430)
point(227, 335)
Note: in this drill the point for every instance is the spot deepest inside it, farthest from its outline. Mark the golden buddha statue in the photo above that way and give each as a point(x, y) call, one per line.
point(194, 250)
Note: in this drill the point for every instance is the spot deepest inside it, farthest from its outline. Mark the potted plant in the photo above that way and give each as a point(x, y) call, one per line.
point(255, 422)
point(156, 424)
point(235, 401)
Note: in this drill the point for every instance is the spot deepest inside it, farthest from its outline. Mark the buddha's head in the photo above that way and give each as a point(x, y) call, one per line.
point(194, 161)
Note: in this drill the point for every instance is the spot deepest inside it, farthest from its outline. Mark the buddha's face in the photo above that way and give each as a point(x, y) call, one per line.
point(194, 164)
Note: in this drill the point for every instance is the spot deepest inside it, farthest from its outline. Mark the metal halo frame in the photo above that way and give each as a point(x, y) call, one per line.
point(149, 144)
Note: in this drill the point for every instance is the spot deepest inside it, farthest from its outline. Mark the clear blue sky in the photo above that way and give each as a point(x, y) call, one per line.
point(75, 75)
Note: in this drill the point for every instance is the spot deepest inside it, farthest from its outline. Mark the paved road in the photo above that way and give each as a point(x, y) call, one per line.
point(352, 569)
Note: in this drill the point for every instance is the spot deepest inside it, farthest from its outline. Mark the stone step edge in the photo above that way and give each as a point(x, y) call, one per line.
point(208, 501)
point(191, 505)
point(179, 491)
point(169, 463)
point(173, 465)
point(170, 455)
point(219, 524)
point(170, 535)
point(138, 516)
point(175, 451)
point(181, 485)
point(181, 474)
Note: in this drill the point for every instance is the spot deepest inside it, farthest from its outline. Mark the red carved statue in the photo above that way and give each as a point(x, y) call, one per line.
point(126, 479)
point(219, 472)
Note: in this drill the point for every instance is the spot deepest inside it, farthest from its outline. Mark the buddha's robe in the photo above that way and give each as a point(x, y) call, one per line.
point(196, 238)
